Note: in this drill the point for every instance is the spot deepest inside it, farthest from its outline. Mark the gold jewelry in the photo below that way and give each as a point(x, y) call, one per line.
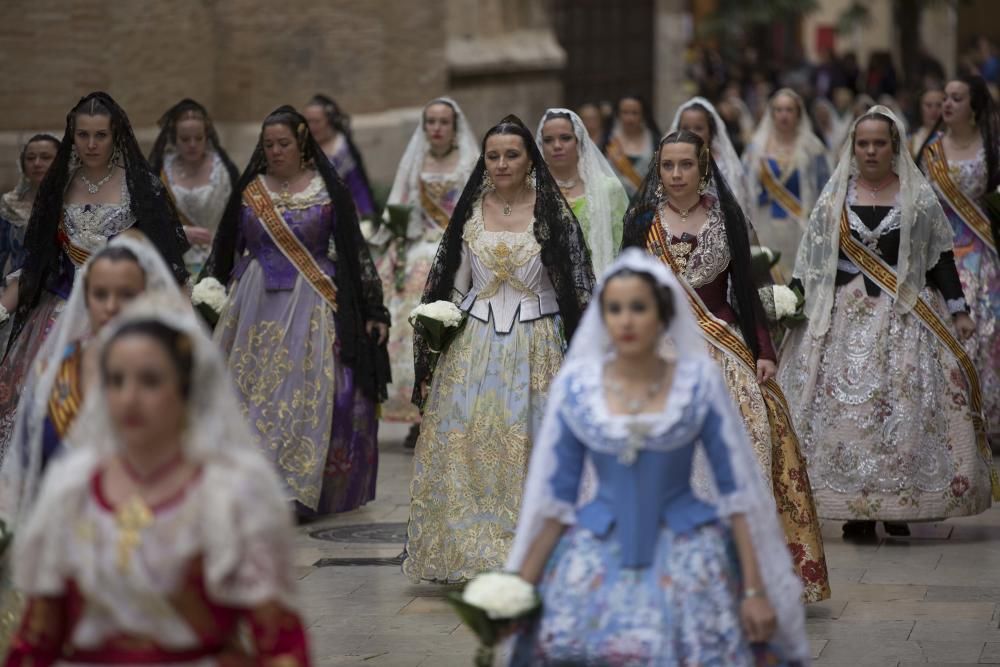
point(132, 518)
point(508, 207)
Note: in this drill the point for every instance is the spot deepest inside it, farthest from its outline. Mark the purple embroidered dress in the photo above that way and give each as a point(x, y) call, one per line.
point(280, 342)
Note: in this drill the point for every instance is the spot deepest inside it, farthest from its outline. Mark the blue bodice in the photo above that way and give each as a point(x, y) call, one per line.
point(644, 480)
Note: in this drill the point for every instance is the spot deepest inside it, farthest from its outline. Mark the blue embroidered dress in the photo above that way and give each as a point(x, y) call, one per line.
point(648, 575)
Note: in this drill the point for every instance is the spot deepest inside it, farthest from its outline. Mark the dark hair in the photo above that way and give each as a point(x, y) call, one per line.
point(175, 343)
point(509, 128)
point(893, 130)
point(114, 253)
point(94, 106)
point(661, 294)
point(701, 149)
point(713, 131)
point(647, 117)
point(38, 137)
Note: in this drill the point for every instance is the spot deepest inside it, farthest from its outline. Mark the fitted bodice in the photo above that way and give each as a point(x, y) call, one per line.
point(505, 274)
point(644, 463)
point(970, 175)
point(89, 226)
point(309, 215)
point(202, 205)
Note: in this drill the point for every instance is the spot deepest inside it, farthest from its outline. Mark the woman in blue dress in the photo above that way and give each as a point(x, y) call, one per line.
point(646, 523)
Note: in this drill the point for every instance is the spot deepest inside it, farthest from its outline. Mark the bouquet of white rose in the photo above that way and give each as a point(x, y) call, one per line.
point(208, 297)
point(437, 323)
point(490, 605)
point(783, 304)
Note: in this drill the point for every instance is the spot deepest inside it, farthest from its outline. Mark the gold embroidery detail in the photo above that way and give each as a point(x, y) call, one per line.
point(132, 518)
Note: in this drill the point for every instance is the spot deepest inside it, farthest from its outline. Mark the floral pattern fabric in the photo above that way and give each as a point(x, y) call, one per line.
point(684, 610)
point(881, 408)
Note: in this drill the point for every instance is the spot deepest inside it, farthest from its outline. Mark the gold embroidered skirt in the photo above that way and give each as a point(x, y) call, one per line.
point(486, 399)
point(777, 449)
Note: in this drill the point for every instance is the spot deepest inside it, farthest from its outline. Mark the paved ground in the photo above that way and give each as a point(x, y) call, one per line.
point(932, 598)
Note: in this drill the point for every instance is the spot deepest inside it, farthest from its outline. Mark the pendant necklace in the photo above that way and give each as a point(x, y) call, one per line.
point(134, 515)
point(876, 189)
point(638, 431)
point(685, 212)
point(507, 206)
point(93, 188)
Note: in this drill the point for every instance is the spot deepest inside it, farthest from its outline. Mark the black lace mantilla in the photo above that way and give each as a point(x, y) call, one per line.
point(359, 288)
point(564, 250)
point(154, 213)
point(746, 301)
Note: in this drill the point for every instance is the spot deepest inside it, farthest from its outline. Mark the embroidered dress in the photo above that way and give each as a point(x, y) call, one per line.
point(404, 285)
point(880, 404)
point(647, 573)
point(979, 269)
point(705, 264)
point(486, 399)
point(349, 170)
point(14, 214)
point(206, 563)
point(779, 226)
point(279, 340)
point(202, 205)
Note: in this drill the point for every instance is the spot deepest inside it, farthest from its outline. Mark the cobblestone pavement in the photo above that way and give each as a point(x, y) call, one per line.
point(933, 598)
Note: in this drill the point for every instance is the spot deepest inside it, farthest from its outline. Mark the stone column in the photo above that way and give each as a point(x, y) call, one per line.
point(670, 40)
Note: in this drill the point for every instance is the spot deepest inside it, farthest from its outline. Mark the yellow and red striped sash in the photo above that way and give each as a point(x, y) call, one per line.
point(76, 254)
point(716, 331)
point(883, 275)
point(433, 208)
point(288, 243)
point(67, 395)
point(970, 213)
point(623, 165)
point(777, 191)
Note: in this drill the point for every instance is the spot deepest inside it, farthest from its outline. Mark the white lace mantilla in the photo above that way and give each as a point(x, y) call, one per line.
point(710, 257)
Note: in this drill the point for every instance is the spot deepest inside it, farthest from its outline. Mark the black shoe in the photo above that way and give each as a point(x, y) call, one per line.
point(411, 438)
point(896, 528)
point(859, 529)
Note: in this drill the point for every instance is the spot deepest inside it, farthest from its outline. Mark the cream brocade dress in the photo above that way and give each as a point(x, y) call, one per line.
point(486, 399)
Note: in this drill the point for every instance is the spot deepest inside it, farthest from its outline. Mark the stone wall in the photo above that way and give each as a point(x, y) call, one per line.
point(381, 60)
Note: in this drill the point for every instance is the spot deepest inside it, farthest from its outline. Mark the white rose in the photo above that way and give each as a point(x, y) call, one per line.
point(785, 301)
point(209, 292)
point(367, 229)
point(443, 311)
point(501, 595)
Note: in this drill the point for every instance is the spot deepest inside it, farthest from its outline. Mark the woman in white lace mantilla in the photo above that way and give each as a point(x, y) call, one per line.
point(431, 176)
point(160, 536)
point(515, 260)
point(651, 567)
point(881, 399)
point(587, 180)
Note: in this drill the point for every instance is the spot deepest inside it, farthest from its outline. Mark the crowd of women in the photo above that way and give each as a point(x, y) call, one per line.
point(614, 418)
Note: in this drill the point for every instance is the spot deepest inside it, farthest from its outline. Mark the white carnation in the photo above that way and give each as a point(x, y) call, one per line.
point(785, 301)
point(209, 292)
point(443, 311)
point(501, 595)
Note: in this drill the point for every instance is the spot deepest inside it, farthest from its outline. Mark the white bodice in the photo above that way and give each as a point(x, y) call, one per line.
point(89, 226)
point(202, 205)
point(503, 275)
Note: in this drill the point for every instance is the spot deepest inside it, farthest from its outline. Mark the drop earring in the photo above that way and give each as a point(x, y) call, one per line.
point(74, 159)
point(488, 183)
